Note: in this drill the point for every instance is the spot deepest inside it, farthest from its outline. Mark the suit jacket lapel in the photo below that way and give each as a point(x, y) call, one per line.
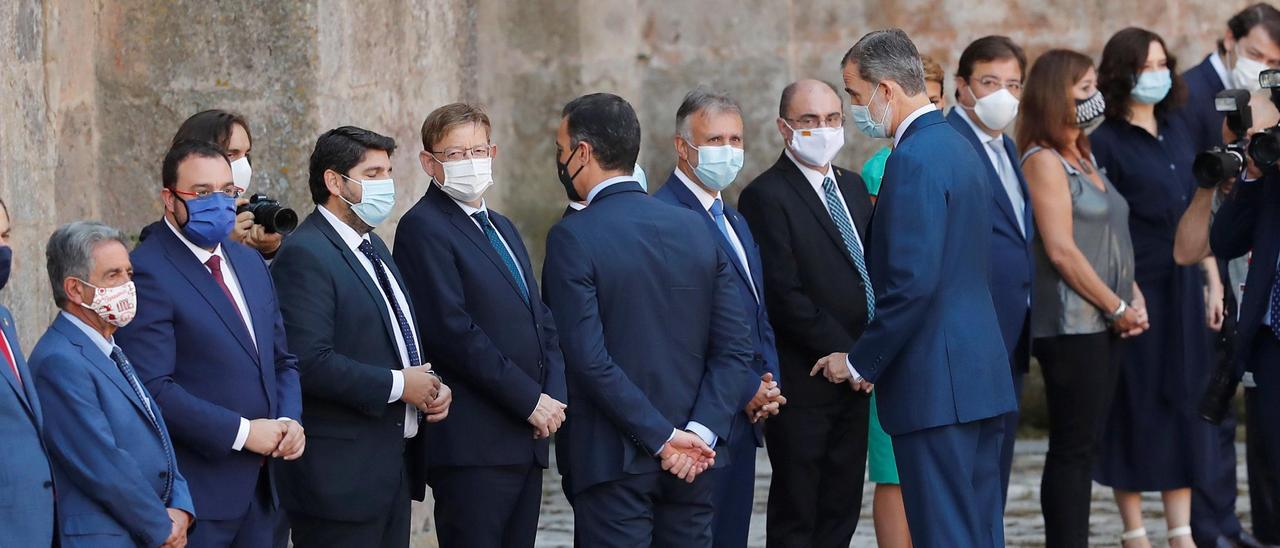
point(371, 286)
point(993, 176)
point(520, 256)
point(1027, 224)
point(805, 191)
point(748, 248)
point(686, 197)
point(199, 277)
point(468, 227)
point(105, 364)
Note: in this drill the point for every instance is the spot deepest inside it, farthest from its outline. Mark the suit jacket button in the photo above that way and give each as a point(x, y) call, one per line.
point(164, 474)
point(48, 485)
point(399, 424)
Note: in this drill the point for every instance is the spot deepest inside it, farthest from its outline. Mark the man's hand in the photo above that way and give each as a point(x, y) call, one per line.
point(861, 385)
point(767, 401)
point(547, 416)
point(244, 221)
point(293, 443)
point(835, 367)
point(265, 242)
point(420, 386)
point(1214, 306)
point(438, 408)
point(178, 531)
point(686, 455)
point(264, 436)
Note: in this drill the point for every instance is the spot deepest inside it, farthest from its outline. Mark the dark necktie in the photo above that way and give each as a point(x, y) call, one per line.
point(490, 232)
point(126, 369)
point(1275, 305)
point(410, 345)
point(8, 356)
point(835, 208)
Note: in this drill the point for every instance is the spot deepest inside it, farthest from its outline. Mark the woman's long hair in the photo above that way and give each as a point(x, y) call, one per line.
point(1048, 110)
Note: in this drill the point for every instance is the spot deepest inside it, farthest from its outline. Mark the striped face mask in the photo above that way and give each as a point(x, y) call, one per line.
point(1089, 111)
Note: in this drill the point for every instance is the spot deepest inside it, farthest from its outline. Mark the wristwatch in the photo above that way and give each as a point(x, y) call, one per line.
point(1117, 313)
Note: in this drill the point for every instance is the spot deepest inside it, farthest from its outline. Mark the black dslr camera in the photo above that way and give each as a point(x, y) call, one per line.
point(1220, 163)
point(1264, 147)
point(273, 217)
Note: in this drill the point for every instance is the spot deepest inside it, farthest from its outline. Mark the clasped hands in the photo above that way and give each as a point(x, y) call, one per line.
point(424, 390)
point(547, 416)
point(276, 438)
point(835, 367)
point(767, 401)
point(686, 456)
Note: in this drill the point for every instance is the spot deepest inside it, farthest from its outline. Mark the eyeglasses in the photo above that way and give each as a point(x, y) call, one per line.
point(811, 121)
point(991, 84)
point(454, 154)
point(233, 193)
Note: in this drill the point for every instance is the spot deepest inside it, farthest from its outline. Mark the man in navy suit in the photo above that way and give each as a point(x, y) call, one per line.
point(118, 478)
point(657, 350)
point(709, 154)
point(1251, 41)
point(209, 343)
point(988, 87)
point(26, 504)
point(365, 382)
point(933, 349)
point(474, 290)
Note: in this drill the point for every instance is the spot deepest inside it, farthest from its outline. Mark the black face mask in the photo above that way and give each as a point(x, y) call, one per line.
point(6, 260)
point(1089, 111)
point(567, 180)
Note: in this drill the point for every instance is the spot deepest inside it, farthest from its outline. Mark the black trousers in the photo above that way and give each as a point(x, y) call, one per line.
point(654, 509)
point(487, 506)
point(819, 457)
point(1262, 431)
point(388, 531)
point(1080, 377)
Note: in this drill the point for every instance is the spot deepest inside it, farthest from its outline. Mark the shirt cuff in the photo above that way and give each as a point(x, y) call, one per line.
point(703, 432)
point(854, 376)
point(285, 419)
point(241, 436)
point(664, 444)
point(397, 386)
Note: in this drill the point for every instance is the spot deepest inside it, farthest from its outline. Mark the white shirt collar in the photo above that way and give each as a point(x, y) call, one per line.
point(608, 183)
point(902, 128)
point(577, 206)
point(471, 210)
point(983, 136)
point(201, 253)
point(349, 235)
point(103, 344)
point(705, 198)
point(1220, 68)
point(814, 177)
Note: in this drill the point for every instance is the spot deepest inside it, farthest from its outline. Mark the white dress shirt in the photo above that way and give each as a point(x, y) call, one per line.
point(1221, 68)
point(353, 240)
point(706, 199)
point(1003, 166)
point(577, 206)
point(470, 211)
point(233, 285)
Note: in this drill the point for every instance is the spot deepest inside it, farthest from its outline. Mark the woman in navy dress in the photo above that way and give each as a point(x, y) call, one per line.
point(1148, 439)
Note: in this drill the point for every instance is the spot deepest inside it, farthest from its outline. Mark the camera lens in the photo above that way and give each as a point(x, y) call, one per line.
point(1264, 148)
point(1215, 166)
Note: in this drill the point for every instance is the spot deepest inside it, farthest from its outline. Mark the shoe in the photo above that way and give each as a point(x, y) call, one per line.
point(1245, 540)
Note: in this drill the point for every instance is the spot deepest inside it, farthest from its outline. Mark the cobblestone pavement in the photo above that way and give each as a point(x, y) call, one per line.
point(1023, 523)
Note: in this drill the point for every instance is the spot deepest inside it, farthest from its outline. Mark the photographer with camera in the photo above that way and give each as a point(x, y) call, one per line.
point(261, 222)
point(1234, 185)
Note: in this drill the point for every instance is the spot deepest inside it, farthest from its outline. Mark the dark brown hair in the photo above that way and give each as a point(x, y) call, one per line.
point(1048, 111)
point(1122, 60)
point(447, 117)
point(990, 48)
point(212, 126)
point(1241, 23)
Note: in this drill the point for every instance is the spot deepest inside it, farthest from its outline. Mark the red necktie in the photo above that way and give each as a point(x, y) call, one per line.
point(8, 356)
point(215, 268)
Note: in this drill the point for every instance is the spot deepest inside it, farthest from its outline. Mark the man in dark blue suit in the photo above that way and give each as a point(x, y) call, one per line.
point(1251, 41)
point(933, 349)
point(988, 87)
point(656, 347)
point(118, 478)
point(26, 504)
point(209, 343)
point(475, 292)
point(709, 155)
point(364, 380)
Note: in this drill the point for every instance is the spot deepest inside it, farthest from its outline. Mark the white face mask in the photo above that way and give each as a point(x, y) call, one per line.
point(996, 111)
point(466, 180)
point(1246, 72)
point(817, 146)
point(116, 305)
point(242, 173)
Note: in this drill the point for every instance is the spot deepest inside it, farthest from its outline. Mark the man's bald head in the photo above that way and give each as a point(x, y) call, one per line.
point(802, 96)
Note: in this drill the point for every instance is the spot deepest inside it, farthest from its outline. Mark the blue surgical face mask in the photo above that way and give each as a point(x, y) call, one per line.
point(717, 166)
point(377, 197)
point(861, 115)
point(209, 219)
point(1152, 86)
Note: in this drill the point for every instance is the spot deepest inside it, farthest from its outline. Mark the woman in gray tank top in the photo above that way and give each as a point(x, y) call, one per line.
point(1083, 298)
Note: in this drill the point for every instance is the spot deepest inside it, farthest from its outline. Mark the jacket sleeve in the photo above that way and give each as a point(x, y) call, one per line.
point(82, 442)
point(308, 299)
point(728, 373)
point(148, 340)
point(180, 497)
point(796, 316)
point(1231, 234)
point(570, 285)
point(913, 234)
point(462, 350)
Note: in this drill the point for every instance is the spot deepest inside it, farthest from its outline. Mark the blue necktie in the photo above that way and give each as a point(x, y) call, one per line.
point(835, 207)
point(717, 213)
point(126, 369)
point(482, 217)
point(410, 345)
point(1275, 305)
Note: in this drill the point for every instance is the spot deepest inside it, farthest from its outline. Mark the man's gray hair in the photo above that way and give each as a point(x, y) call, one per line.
point(702, 99)
point(69, 253)
point(888, 55)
